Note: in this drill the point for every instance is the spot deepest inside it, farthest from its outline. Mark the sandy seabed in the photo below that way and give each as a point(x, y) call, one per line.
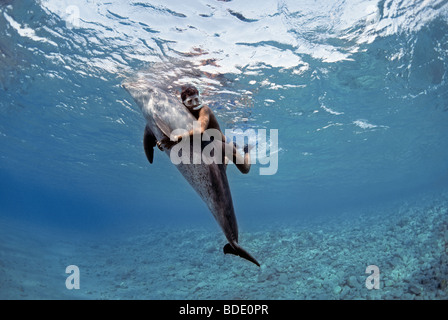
point(322, 259)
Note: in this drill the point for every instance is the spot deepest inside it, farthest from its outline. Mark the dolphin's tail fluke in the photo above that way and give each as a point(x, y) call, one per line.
point(235, 249)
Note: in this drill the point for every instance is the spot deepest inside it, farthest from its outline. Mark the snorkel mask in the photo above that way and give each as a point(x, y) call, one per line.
point(194, 102)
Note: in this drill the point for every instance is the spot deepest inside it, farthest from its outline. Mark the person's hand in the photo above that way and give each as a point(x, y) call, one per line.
point(168, 143)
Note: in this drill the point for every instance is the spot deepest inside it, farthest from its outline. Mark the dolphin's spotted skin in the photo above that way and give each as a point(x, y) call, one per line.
point(164, 113)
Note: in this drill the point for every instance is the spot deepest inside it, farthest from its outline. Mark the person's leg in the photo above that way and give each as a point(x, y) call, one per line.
point(242, 163)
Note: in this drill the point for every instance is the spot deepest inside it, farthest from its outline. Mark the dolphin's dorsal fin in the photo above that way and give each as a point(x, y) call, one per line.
point(162, 126)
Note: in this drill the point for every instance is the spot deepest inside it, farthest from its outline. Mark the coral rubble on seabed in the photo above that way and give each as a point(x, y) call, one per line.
point(322, 259)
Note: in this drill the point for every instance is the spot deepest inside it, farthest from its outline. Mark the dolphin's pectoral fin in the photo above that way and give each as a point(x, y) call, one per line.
point(149, 142)
point(238, 251)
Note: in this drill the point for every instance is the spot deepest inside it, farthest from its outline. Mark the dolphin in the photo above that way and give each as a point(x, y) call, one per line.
point(163, 114)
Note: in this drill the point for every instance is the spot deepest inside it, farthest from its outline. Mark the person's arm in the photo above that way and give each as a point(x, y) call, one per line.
point(204, 120)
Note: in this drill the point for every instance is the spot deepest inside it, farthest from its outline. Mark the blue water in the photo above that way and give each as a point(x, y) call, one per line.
point(357, 90)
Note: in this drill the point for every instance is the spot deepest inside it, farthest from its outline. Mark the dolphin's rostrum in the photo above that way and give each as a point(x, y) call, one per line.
point(163, 114)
